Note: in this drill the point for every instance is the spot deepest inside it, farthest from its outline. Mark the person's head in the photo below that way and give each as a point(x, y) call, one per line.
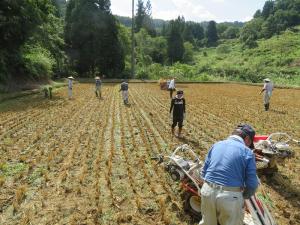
point(179, 94)
point(267, 80)
point(246, 132)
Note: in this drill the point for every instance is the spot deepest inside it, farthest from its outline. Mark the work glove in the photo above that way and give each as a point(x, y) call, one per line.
point(248, 192)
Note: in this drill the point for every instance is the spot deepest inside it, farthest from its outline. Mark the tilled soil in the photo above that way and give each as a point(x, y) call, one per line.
point(88, 161)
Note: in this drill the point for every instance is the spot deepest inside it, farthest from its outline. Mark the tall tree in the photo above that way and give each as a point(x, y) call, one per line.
point(143, 18)
point(211, 33)
point(140, 15)
point(268, 9)
point(18, 22)
point(175, 40)
point(92, 36)
point(148, 21)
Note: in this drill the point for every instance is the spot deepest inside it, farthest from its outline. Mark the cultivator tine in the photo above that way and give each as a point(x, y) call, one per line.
point(159, 159)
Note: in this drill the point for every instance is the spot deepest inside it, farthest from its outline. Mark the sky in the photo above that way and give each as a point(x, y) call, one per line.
point(195, 10)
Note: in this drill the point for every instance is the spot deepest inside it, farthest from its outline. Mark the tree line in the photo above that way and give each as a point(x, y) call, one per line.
point(54, 38)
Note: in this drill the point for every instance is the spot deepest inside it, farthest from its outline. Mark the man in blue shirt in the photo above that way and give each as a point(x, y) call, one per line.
point(230, 176)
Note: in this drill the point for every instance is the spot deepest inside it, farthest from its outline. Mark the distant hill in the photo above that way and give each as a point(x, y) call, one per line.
point(126, 21)
point(159, 23)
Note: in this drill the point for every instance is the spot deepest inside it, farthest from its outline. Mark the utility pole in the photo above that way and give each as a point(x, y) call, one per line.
point(132, 43)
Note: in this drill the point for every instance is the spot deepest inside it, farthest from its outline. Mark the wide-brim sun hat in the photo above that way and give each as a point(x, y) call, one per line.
point(267, 80)
point(97, 78)
point(70, 77)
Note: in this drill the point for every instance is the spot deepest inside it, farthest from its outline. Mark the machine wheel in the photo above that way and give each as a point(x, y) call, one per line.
point(192, 205)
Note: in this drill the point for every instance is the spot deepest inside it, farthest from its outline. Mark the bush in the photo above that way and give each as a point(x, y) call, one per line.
point(223, 49)
point(38, 62)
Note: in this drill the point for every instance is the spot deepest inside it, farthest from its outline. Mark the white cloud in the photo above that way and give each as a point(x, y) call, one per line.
point(218, 1)
point(190, 9)
point(247, 18)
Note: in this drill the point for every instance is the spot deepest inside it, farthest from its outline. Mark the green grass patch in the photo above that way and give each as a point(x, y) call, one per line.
point(12, 169)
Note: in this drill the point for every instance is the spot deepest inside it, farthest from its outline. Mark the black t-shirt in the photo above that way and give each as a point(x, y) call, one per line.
point(178, 107)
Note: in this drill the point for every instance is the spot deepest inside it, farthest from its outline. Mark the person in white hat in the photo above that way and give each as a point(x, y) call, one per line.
point(124, 89)
point(70, 86)
point(171, 87)
point(267, 89)
point(98, 87)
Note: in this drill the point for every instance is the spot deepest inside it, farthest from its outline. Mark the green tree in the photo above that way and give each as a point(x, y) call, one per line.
point(221, 28)
point(175, 40)
point(257, 14)
point(188, 33)
point(268, 9)
point(188, 56)
point(198, 31)
point(140, 15)
point(231, 32)
point(92, 36)
point(18, 22)
point(212, 34)
point(143, 18)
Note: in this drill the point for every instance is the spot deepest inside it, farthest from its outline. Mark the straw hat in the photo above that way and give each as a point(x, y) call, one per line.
point(267, 80)
point(70, 77)
point(97, 78)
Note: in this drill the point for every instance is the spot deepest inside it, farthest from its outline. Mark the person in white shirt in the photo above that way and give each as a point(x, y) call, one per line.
point(171, 87)
point(70, 86)
point(267, 89)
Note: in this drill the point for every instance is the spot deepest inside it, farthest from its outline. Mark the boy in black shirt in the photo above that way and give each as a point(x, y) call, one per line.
point(178, 107)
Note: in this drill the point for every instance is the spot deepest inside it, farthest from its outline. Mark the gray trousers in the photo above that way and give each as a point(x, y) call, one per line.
point(225, 207)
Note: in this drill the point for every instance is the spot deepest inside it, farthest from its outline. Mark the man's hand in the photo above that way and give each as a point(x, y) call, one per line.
point(248, 192)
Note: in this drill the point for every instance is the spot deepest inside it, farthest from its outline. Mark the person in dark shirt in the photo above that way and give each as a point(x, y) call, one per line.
point(178, 108)
point(124, 89)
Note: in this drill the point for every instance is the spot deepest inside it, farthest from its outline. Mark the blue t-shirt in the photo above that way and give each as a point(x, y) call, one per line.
point(231, 163)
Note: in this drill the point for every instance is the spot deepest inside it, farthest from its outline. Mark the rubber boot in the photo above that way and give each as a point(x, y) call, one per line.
point(268, 106)
point(96, 94)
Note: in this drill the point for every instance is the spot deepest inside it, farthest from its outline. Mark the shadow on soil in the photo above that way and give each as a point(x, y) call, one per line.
point(278, 111)
point(31, 101)
point(283, 186)
point(194, 144)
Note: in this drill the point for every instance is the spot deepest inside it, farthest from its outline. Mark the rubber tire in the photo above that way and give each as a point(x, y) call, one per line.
point(188, 208)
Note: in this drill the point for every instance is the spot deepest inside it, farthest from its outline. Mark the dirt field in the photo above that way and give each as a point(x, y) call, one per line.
point(87, 161)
